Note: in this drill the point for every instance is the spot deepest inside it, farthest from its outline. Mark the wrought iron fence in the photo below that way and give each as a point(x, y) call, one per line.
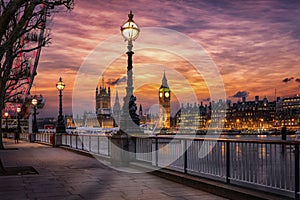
point(266, 165)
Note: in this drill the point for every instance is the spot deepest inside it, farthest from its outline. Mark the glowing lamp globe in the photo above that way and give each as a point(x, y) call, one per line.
point(18, 110)
point(6, 114)
point(60, 85)
point(34, 102)
point(130, 30)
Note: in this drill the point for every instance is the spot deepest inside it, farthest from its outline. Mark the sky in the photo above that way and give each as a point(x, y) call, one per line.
point(245, 48)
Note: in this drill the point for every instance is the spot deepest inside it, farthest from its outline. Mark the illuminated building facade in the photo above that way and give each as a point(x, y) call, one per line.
point(164, 96)
point(257, 114)
point(103, 106)
point(191, 117)
point(288, 112)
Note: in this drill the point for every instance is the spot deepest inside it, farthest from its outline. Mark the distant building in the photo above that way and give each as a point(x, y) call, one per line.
point(257, 114)
point(47, 122)
point(103, 106)
point(164, 97)
point(188, 117)
point(143, 117)
point(117, 111)
point(69, 121)
point(90, 120)
point(288, 112)
point(216, 114)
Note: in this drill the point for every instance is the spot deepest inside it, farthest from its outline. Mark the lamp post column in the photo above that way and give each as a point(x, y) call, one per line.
point(121, 142)
point(60, 127)
point(129, 122)
point(60, 116)
point(34, 124)
point(17, 134)
point(35, 128)
point(6, 124)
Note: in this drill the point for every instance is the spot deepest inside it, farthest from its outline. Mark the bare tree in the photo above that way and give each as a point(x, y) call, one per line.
point(20, 21)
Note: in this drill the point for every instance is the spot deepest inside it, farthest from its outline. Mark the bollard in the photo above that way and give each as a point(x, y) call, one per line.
point(283, 133)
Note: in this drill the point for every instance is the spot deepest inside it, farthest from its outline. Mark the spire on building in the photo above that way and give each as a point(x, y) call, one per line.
point(141, 110)
point(117, 102)
point(116, 110)
point(164, 83)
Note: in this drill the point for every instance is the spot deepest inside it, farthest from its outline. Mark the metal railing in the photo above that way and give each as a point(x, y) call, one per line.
point(266, 165)
point(97, 144)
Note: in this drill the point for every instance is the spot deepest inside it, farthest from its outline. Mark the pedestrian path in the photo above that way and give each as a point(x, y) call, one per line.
point(67, 175)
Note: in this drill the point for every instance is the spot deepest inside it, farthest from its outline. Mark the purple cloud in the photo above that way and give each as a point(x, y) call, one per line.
point(117, 81)
point(240, 94)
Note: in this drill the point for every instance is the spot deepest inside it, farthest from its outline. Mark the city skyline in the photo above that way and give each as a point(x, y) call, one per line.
point(255, 46)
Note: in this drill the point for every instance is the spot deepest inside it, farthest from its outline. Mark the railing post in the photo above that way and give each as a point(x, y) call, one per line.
point(135, 146)
point(90, 143)
point(98, 144)
point(185, 156)
point(156, 151)
point(82, 140)
point(227, 162)
point(108, 145)
point(71, 141)
point(297, 172)
point(76, 140)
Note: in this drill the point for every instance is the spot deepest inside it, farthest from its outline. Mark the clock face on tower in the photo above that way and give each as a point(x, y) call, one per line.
point(160, 94)
point(167, 94)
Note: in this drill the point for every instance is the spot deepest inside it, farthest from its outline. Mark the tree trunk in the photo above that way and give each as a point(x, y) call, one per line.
point(2, 169)
point(2, 96)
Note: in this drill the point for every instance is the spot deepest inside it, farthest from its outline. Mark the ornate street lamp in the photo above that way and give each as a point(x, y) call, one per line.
point(6, 121)
point(60, 127)
point(6, 124)
point(34, 124)
point(18, 115)
point(130, 32)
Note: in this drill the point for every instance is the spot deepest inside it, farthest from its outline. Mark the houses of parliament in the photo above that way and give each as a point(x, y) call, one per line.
point(108, 116)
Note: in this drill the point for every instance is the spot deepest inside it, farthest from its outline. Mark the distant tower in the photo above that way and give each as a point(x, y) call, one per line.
point(103, 106)
point(141, 110)
point(117, 111)
point(164, 103)
point(141, 115)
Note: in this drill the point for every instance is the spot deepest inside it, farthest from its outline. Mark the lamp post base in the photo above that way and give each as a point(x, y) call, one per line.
point(122, 149)
point(57, 140)
point(31, 137)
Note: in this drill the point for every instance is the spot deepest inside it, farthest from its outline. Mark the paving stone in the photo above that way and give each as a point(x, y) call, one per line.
point(68, 175)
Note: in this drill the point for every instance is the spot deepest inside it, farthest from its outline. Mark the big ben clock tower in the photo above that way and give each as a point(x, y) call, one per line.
point(164, 103)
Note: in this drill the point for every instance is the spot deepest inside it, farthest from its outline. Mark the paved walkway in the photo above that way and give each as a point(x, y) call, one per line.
point(68, 175)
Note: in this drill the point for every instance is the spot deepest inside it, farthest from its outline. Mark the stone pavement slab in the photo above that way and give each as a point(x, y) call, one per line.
point(67, 175)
